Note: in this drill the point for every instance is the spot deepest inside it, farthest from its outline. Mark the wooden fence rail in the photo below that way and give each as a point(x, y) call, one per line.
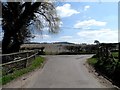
point(16, 61)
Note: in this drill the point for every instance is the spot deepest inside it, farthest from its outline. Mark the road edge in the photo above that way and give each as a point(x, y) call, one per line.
point(106, 82)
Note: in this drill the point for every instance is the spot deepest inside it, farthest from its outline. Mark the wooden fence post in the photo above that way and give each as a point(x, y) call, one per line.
point(119, 51)
point(27, 55)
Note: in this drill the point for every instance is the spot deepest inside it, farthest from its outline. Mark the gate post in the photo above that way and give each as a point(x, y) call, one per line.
point(119, 51)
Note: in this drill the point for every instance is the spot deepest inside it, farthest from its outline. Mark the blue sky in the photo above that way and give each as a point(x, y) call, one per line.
point(84, 22)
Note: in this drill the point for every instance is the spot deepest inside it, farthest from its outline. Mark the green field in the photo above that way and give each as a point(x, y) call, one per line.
point(115, 54)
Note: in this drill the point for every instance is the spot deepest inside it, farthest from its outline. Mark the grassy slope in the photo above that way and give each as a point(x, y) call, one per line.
point(110, 70)
point(92, 61)
point(35, 64)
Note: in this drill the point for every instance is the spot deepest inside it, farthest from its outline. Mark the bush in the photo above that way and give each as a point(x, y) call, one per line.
point(109, 68)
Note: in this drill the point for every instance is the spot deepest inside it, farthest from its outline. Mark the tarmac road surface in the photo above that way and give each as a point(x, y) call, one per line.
point(60, 71)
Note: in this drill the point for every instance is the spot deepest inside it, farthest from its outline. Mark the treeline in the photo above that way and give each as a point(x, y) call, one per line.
point(80, 49)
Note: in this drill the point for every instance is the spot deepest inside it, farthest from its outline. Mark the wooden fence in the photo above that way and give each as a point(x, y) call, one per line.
point(16, 61)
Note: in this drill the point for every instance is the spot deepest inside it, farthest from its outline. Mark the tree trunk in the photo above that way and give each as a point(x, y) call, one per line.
point(10, 44)
point(16, 44)
point(5, 43)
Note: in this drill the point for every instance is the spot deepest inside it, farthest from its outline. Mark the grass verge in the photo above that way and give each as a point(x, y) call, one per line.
point(115, 54)
point(92, 61)
point(35, 64)
point(108, 68)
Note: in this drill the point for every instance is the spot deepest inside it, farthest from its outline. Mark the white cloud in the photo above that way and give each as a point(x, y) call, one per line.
point(66, 37)
point(46, 36)
point(42, 36)
point(61, 23)
point(86, 8)
point(66, 10)
point(103, 35)
point(87, 23)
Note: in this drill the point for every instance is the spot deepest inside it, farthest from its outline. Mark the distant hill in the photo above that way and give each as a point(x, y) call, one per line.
point(62, 43)
point(49, 43)
point(32, 43)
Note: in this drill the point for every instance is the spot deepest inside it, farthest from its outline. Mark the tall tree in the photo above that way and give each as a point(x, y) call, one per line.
point(97, 42)
point(18, 16)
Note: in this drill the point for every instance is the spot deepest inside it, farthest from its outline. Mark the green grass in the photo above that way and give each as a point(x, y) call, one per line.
point(35, 64)
point(115, 54)
point(109, 68)
point(92, 61)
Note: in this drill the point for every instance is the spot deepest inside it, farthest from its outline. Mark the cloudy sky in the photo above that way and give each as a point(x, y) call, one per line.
point(84, 22)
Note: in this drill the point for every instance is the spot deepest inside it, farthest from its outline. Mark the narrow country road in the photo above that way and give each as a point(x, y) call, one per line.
point(64, 71)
